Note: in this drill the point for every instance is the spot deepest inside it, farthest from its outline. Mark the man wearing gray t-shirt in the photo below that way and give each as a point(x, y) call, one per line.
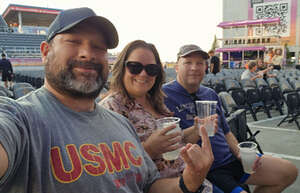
point(250, 72)
point(58, 140)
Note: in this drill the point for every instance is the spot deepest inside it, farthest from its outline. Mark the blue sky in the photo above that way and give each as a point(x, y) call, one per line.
point(168, 24)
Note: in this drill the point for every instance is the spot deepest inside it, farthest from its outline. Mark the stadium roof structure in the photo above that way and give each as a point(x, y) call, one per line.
point(2, 22)
point(241, 23)
point(31, 16)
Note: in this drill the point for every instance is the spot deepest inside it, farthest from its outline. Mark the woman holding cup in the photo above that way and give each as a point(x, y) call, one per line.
point(135, 92)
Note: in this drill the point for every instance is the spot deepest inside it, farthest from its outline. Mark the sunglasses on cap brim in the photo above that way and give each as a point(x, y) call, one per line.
point(137, 68)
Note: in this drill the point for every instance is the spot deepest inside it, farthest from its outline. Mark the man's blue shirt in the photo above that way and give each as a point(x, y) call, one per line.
point(179, 101)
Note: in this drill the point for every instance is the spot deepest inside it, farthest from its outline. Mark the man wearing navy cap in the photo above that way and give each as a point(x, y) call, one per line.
point(56, 139)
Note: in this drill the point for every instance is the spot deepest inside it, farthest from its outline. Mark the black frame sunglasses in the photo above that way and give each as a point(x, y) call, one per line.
point(136, 68)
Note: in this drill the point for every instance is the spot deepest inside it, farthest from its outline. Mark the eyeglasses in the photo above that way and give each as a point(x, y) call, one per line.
point(137, 68)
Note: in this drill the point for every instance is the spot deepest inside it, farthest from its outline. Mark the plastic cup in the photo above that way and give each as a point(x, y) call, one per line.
point(248, 155)
point(205, 110)
point(166, 122)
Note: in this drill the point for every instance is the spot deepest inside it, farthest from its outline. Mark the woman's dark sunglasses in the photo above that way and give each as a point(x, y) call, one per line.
point(136, 68)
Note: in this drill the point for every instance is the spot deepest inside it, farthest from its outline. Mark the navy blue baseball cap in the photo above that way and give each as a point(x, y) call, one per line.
point(69, 18)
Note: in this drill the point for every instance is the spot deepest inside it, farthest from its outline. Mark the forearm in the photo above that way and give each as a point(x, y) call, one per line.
point(233, 143)
point(3, 161)
point(167, 185)
point(148, 150)
point(191, 135)
point(255, 77)
point(171, 185)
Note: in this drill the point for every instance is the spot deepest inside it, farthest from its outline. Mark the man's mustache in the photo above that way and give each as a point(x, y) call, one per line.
point(87, 64)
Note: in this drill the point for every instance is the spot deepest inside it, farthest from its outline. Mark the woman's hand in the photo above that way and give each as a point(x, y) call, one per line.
point(160, 142)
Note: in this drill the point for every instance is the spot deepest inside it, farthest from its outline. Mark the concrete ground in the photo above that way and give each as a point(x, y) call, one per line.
point(282, 141)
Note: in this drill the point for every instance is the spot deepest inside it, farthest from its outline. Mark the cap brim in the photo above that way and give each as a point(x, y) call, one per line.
point(201, 52)
point(104, 25)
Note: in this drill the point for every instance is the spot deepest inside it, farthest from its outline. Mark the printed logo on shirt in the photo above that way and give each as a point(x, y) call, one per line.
point(190, 107)
point(100, 159)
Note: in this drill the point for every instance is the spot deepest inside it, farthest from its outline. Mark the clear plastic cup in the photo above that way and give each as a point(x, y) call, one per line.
point(248, 155)
point(166, 122)
point(205, 110)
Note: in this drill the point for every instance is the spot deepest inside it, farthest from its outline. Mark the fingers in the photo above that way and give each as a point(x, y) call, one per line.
point(216, 123)
point(167, 129)
point(196, 121)
point(257, 164)
point(173, 135)
point(172, 147)
point(205, 139)
point(172, 141)
point(184, 154)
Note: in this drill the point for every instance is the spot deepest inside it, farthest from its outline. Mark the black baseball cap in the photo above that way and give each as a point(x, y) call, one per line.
point(69, 18)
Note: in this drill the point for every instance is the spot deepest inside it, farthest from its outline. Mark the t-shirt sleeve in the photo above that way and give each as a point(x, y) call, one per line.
point(223, 123)
point(245, 75)
point(10, 66)
point(12, 137)
point(153, 173)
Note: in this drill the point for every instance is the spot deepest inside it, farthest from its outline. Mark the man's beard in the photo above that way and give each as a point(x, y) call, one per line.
point(62, 79)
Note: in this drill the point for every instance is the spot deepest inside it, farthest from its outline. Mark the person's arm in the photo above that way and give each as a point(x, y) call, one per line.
point(3, 161)
point(233, 144)
point(198, 161)
point(212, 68)
point(256, 76)
point(191, 135)
point(212, 65)
point(10, 66)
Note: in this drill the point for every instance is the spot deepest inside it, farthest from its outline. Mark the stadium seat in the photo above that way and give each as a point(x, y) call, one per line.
point(228, 103)
point(218, 84)
point(253, 97)
point(22, 91)
point(20, 84)
point(292, 101)
point(266, 95)
point(237, 122)
point(276, 93)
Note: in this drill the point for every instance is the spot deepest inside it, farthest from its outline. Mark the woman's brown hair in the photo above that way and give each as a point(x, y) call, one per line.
point(118, 71)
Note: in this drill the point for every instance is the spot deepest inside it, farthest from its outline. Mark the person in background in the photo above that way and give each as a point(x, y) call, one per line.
point(214, 62)
point(271, 174)
point(277, 59)
point(251, 73)
point(57, 139)
point(232, 63)
point(264, 69)
point(7, 71)
point(135, 92)
point(268, 56)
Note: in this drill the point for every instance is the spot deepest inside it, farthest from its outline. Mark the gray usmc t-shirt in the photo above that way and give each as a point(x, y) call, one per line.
point(52, 149)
